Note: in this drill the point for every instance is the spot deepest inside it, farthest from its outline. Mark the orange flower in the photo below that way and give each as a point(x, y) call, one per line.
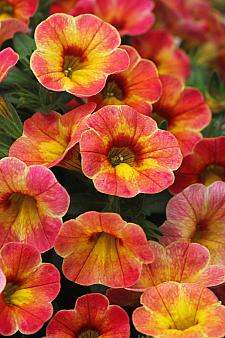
point(76, 54)
point(138, 86)
point(159, 46)
point(102, 248)
point(185, 111)
point(180, 310)
point(125, 153)
point(8, 59)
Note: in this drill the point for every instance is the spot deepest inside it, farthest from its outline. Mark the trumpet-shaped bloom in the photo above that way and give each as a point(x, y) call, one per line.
point(132, 17)
point(159, 46)
point(181, 262)
point(76, 54)
point(32, 204)
point(31, 285)
point(197, 214)
point(8, 59)
point(185, 111)
point(9, 27)
point(92, 317)
point(138, 86)
point(47, 139)
point(180, 310)
point(205, 164)
point(19, 9)
point(125, 153)
point(102, 248)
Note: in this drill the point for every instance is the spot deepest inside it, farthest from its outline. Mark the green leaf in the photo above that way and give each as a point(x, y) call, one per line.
point(156, 204)
point(82, 202)
point(24, 45)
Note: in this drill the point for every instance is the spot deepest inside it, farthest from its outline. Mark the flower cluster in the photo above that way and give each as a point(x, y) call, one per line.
point(107, 110)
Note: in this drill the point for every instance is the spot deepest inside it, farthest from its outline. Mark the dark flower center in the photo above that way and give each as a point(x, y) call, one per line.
point(121, 155)
point(71, 63)
point(9, 290)
point(114, 88)
point(6, 8)
point(212, 173)
point(89, 334)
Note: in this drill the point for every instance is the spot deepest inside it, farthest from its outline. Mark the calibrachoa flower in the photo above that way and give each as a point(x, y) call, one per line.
point(184, 109)
point(47, 138)
point(181, 262)
point(125, 153)
point(19, 9)
point(138, 86)
point(31, 285)
point(102, 248)
point(205, 165)
point(159, 46)
point(9, 27)
point(197, 214)
point(32, 204)
point(76, 54)
point(8, 59)
point(180, 310)
point(92, 317)
point(132, 17)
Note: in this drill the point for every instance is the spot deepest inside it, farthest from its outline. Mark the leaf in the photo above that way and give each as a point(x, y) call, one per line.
point(24, 45)
point(156, 204)
point(82, 202)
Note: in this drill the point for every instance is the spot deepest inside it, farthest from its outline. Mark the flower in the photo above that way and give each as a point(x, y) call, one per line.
point(47, 139)
point(180, 310)
point(132, 17)
point(159, 46)
point(32, 204)
point(197, 215)
point(124, 152)
point(19, 9)
point(30, 287)
point(138, 86)
point(8, 59)
point(76, 54)
point(181, 262)
point(91, 317)
point(102, 248)
point(9, 27)
point(204, 165)
point(184, 109)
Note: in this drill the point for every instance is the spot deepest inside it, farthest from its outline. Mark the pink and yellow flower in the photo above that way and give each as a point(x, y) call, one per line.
point(205, 164)
point(91, 317)
point(125, 153)
point(19, 9)
point(47, 139)
point(8, 59)
point(185, 111)
point(31, 285)
point(180, 262)
point(32, 204)
point(193, 20)
point(76, 54)
point(197, 214)
point(138, 86)
point(159, 46)
point(132, 17)
point(9, 27)
point(180, 310)
point(101, 248)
